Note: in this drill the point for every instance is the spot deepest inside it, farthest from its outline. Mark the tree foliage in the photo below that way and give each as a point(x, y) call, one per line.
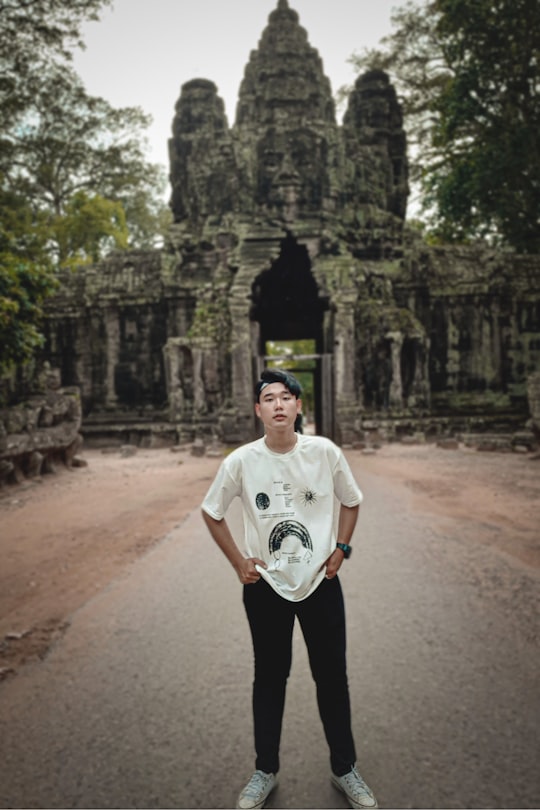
point(89, 227)
point(74, 180)
point(287, 354)
point(35, 34)
point(26, 279)
point(468, 74)
point(67, 142)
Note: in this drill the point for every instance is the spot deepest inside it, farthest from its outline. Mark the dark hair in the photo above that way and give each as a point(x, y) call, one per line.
point(273, 375)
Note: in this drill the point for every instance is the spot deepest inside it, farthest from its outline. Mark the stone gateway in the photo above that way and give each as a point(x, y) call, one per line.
point(290, 226)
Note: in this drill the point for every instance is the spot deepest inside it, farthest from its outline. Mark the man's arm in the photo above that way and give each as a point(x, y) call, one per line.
point(348, 515)
point(244, 567)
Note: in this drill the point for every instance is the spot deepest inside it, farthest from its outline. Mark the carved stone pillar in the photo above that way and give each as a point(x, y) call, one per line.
point(420, 389)
point(199, 403)
point(112, 330)
point(241, 369)
point(175, 395)
point(344, 352)
point(396, 386)
point(346, 405)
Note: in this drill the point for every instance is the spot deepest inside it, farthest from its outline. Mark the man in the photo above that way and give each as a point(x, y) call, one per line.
point(288, 483)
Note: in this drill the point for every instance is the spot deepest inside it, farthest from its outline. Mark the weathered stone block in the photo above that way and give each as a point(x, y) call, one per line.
point(27, 446)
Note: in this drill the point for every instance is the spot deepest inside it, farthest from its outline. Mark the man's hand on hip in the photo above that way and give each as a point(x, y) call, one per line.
point(247, 573)
point(333, 563)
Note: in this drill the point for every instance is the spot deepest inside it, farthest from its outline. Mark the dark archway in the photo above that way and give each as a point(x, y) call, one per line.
point(286, 301)
point(287, 306)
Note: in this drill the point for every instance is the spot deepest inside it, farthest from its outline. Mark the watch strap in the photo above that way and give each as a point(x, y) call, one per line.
point(345, 549)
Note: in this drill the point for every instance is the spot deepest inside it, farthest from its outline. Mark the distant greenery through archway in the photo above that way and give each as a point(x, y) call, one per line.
point(294, 355)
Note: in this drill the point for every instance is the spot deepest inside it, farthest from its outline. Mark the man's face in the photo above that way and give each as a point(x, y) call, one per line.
point(277, 408)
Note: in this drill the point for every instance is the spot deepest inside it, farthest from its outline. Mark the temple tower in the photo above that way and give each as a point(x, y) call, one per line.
point(286, 185)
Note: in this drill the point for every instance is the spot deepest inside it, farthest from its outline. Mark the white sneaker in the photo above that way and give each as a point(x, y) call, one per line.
point(355, 789)
point(256, 791)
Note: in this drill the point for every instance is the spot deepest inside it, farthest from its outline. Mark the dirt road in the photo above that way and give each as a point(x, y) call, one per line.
point(65, 536)
point(145, 699)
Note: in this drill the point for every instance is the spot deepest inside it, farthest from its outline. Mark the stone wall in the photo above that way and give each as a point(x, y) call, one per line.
point(41, 431)
point(446, 333)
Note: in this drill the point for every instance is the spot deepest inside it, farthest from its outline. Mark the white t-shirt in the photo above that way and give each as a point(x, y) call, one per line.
point(289, 502)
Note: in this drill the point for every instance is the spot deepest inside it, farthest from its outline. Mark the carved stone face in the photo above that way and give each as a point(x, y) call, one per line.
point(291, 167)
point(53, 380)
point(199, 106)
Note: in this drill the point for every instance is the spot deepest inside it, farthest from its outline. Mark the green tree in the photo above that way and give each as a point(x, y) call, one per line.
point(55, 139)
point(73, 177)
point(35, 34)
point(89, 228)
point(488, 123)
point(68, 142)
point(26, 279)
point(467, 71)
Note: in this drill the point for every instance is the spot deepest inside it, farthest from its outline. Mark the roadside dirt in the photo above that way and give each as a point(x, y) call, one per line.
point(64, 537)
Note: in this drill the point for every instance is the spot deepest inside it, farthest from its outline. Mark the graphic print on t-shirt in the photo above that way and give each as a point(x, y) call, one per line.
point(289, 541)
point(262, 500)
point(298, 545)
point(309, 497)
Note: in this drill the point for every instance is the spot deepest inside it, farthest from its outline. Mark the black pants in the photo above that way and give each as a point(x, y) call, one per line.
point(322, 619)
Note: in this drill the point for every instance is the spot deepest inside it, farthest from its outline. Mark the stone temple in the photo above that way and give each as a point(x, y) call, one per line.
point(291, 226)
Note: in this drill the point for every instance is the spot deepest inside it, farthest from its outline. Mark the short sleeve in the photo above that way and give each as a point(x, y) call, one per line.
point(346, 489)
point(226, 485)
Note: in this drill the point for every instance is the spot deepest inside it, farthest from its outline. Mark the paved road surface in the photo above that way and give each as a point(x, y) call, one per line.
point(146, 702)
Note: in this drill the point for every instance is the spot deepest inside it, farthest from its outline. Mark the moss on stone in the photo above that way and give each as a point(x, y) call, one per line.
point(211, 318)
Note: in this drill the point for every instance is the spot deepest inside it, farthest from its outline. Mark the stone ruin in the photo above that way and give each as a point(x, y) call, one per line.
point(42, 431)
point(291, 226)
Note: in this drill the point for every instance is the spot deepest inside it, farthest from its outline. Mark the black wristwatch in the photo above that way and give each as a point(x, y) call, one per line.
point(345, 549)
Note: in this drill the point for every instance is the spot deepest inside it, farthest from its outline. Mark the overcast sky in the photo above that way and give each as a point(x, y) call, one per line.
point(142, 51)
